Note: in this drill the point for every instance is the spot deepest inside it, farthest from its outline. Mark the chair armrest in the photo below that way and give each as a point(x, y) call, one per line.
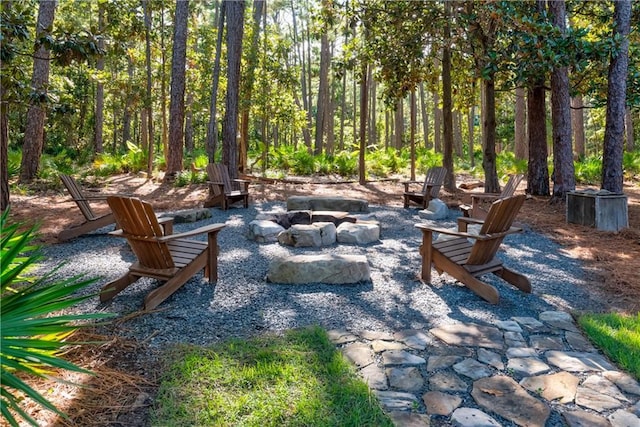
point(448, 231)
point(468, 235)
point(200, 230)
point(407, 183)
point(485, 197)
point(244, 183)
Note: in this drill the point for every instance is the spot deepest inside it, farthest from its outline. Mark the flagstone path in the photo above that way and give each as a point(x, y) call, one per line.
point(521, 371)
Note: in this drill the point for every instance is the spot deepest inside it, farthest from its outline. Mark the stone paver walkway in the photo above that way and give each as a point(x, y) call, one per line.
point(521, 371)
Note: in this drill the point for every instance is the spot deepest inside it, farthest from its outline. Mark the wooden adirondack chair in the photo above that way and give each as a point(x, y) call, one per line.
point(92, 221)
point(476, 209)
point(466, 261)
point(164, 256)
point(430, 188)
point(222, 190)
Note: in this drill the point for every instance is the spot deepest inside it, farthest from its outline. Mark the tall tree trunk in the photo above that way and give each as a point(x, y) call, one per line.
point(212, 125)
point(537, 170)
point(399, 125)
point(457, 133)
point(564, 179)
point(373, 129)
point(163, 89)
point(323, 93)
point(520, 125)
point(235, 29)
point(447, 105)
point(363, 125)
point(148, 113)
point(628, 126)
point(577, 126)
point(36, 114)
point(176, 102)
point(412, 133)
point(491, 182)
point(4, 149)
point(437, 123)
point(470, 134)
point(425, 117)
point(247, 84)
point(99, 112)
point(612, 173)
point(126, 114)
point(188, 124)
point(306, 131)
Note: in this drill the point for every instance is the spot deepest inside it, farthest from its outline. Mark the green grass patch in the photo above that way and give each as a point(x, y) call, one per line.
point(617, 335)
point(299, 379)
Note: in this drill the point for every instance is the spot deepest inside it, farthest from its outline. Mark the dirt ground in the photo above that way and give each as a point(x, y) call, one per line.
point(123, 387)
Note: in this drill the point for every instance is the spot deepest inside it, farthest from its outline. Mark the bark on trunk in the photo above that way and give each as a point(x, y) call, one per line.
point(520, 125)
point(36, 114)
point(491, 182)
point(563, 170)
point(99, 114)
point(176, 102)
point(212, 125)
point(612, 173)
point(577, 126)
point(537, 170)
point(235, 29)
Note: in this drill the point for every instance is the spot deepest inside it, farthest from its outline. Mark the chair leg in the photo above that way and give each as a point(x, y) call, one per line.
point(516, 279)
point(406, 201)
point(458, 272)
point(113, 288)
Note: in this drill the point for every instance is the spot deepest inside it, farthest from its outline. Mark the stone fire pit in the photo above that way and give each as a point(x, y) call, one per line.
point(307, 228)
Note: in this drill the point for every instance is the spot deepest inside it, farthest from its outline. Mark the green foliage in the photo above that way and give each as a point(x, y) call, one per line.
point(346, 163)
point(631, 162)
point(299, 379)
point(507, 163)
point(303, 163)
point(134, 160)
point(186, 177)
point(617, 335)
point(52, 166)
point(14, 158)
point(589, 170)
point(34, 331)
point(426, 159)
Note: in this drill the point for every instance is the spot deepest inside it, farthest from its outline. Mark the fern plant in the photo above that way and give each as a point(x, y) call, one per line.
point(34, 328)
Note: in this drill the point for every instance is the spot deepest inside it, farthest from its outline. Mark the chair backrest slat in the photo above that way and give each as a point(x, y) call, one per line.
point(77, 196)
point(218, 172)
point(499, 219)
point(435, 177)
point(511, 186)
point(140, 225)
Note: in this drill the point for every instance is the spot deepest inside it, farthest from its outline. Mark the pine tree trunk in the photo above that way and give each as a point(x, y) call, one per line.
point(537, 170)
point(563, 170)
point(363, 125)
point(628, 126)
point(491, 183)
point(520, 125)
point(577, 126)
point(323, 94)
point(36, 114)
point(176, 101)
point(612, 173)
point(212, 125)
point(425, 117)
point(399, 125)
point(447, 107)
point(99, 111)
point(412, 133)
point(235, 29)
point(148, 104)
point(437, 123)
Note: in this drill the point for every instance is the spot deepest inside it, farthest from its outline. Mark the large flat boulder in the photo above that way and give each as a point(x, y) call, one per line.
point(315, 203)
point(321, 268)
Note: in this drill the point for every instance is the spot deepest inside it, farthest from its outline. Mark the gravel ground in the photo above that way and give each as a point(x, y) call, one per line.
point(243, 304)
